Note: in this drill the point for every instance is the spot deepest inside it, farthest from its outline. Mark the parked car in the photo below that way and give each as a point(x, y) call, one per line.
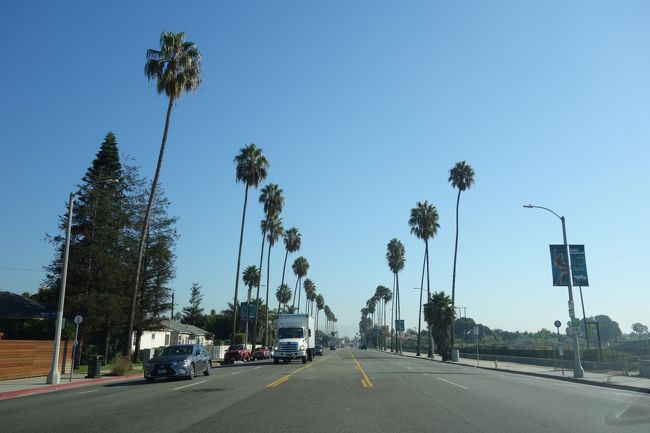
point(184, 360)
point(319, 349)
point(237, 352)
point(364, 347)
point(261, 352)
point(332, 347)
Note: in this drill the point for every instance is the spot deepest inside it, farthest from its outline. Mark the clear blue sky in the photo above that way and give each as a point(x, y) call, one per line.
point(362, 108)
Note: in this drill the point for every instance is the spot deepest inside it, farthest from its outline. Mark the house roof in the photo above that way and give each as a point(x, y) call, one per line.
point(183, 328)
point(14, 306)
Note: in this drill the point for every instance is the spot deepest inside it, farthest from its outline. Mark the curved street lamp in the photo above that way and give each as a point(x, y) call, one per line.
point(578, 371)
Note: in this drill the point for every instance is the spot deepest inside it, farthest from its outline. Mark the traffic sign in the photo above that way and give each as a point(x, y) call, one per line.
point(78, 319)
point(557, 323)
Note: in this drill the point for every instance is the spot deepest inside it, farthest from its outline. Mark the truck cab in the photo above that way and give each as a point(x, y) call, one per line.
point(296, 338)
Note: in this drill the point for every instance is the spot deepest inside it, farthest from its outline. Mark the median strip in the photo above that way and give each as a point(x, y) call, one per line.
point(365, 381)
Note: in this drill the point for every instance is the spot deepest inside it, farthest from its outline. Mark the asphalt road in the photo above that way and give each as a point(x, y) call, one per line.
point(346, 390)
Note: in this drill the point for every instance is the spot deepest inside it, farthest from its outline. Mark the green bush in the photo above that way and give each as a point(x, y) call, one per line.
point(121, 366)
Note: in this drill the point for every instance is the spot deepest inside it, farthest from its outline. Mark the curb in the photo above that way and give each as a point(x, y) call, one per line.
point(546, 376)
point(8, 395)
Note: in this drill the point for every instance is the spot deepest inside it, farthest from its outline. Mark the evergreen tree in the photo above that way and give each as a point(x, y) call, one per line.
point(96, 275)
point(193, 314)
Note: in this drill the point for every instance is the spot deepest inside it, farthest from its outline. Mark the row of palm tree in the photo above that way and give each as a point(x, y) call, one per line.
point(423, 222)
point(252, 169)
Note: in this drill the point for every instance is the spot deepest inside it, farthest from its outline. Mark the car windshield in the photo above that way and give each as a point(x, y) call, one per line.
point(290, 333)
point(236, 347)
point(177, 350)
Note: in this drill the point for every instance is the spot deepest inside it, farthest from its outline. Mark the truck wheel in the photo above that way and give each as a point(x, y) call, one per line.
point(304, 359)
point(276, 360)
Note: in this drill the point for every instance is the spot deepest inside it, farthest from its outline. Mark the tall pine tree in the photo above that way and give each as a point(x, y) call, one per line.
point(193, 314)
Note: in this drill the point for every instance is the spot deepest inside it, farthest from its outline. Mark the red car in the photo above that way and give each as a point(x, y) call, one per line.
point(237, 352)
point(261, 352)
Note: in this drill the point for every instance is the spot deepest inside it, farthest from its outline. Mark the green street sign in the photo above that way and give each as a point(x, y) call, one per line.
point(575, 322)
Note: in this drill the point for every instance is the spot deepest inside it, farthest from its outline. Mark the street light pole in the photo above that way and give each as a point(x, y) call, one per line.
point(578, 371)
point(53, 376)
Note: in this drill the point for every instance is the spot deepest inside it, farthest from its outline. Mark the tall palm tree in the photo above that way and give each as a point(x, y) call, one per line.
point(292, 244)
point(176, 68)
point(272, 198)
point(252, 169)
point(300, 267)
point(424, 225)
point(275, 230)
point(439, 314)
point(320, 304)
point(371, 305)
point(283, 295)
point(461, 177)
point(385, 296)
point(310, 290)
point(395, 256)
point(251, 277)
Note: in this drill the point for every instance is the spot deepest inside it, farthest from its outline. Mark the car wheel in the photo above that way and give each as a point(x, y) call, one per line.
point(276, 360)
point(207, 369)
point(150, 379)
point(190, 375)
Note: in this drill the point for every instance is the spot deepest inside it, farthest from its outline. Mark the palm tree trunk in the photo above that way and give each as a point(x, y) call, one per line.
point(392, 323)
point(295, 293)
point(430, 352)
point(248, 301)
point(453, 276)
point(143, 234)
point(299, 288)
point(424, 261)
point(398, 314)
point(383, 337)
point(257, 297)
point(241, 240)
point(268, 267)
point(284, 268)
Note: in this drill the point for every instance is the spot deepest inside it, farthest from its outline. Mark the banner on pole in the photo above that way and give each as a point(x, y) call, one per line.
point(559, 265)
point(578, 265)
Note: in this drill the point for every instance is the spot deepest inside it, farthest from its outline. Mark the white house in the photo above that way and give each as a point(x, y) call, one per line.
point(172, 332)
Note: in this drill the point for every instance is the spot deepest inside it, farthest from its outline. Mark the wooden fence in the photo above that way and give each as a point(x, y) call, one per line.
point(31, 358)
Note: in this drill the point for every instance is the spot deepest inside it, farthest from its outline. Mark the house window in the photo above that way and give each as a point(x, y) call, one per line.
point(153, 336)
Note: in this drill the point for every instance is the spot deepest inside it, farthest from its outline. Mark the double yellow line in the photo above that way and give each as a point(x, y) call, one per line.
point(283, 379)
point(365, 381)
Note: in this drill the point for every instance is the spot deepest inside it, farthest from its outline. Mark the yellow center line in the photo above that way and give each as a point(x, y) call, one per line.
point(365, 382)
point(296, 371)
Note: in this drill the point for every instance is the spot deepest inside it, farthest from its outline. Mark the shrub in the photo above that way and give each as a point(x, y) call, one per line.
point(121, 365)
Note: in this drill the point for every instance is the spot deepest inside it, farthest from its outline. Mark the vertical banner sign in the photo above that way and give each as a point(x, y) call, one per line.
point(559, 265)
point(578, 265)
point(242, 311)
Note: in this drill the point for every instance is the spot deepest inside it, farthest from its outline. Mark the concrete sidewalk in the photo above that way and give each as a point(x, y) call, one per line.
point(14, 388)
point(612, 379)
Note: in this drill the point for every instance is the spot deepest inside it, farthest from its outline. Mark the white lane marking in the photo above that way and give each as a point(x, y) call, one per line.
point(191, 384)
point(236, 372)
point(448, 381)
point(88, 392)
point(257, 368)
point(410, 368)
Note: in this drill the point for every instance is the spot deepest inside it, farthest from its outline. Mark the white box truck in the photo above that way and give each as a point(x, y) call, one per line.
point(296, 338)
